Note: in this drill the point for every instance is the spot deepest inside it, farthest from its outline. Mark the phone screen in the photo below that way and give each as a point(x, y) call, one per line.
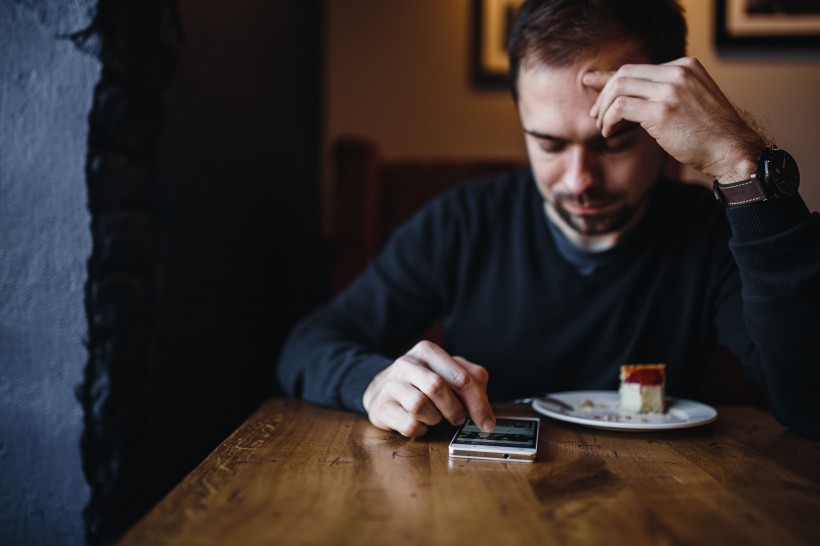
point(519, 433)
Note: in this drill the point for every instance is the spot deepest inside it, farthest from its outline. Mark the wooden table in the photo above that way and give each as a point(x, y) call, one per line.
point(297, 474)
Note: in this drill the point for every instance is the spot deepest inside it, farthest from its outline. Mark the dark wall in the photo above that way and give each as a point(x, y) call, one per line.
point(45, 96)
point(241, 258)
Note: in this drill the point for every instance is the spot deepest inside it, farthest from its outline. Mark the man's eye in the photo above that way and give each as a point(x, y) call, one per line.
point(551, 147)
point(617, 144)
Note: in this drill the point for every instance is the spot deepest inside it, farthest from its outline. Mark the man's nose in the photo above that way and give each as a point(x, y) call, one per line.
point(583, 171)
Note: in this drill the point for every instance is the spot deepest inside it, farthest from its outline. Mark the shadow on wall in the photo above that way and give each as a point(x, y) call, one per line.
point(203, 188)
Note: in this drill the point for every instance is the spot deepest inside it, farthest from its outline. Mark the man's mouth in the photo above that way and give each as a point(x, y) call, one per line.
point(587, 207)
point(590, 209)
point(593, 213)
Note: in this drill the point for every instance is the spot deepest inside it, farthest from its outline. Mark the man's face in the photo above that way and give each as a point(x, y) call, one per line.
point(595, 184)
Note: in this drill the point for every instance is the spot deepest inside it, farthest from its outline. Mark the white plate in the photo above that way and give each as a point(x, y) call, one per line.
point(600, 409)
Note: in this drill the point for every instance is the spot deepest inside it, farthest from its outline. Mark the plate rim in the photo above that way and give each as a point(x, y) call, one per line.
point(626, 427)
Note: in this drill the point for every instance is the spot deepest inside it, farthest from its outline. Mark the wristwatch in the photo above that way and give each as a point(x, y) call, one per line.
point(777, 175)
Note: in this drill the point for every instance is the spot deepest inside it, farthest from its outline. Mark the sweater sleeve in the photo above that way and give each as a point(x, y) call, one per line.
point(332, 355)
point(776, 245)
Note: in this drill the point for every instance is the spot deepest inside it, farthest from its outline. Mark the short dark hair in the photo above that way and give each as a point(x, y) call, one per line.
point(559, 32)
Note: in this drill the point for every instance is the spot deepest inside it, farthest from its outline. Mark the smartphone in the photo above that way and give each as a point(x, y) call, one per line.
point(514, 439)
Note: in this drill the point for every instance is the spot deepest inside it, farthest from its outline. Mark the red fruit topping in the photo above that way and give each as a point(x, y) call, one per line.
point(644, 374)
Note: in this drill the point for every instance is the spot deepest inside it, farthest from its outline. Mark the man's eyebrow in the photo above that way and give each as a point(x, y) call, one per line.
point(544, 136)
point(622, 129)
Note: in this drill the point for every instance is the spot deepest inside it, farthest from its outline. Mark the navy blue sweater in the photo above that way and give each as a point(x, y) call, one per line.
point(543, 317)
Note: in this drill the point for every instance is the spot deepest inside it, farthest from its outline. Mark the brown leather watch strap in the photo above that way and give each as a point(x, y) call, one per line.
point(741, 193)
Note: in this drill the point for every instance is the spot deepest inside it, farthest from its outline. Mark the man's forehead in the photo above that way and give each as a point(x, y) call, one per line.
point(609, 57)
point(550, 96)
point(553, 96)
point(559, 83)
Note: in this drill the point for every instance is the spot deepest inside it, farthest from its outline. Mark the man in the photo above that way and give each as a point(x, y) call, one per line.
point(550, 278)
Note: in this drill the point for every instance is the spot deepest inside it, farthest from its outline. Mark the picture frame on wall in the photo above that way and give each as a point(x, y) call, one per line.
point(761, 26)
point(492, 24)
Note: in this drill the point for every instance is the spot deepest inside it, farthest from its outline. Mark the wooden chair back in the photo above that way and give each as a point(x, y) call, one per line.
point(371, 197)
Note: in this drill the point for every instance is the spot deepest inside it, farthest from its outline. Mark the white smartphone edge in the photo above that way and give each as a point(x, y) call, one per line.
point(497, 453)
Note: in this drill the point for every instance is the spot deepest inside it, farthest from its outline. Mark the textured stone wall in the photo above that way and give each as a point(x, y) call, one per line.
point(46, 88)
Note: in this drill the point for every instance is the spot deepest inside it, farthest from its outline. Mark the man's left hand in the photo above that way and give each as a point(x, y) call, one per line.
point(684, 110)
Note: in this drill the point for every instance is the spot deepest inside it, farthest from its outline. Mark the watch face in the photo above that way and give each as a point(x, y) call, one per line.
point(782, 173)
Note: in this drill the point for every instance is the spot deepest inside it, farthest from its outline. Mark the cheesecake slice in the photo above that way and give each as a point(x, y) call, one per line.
point(643, 388)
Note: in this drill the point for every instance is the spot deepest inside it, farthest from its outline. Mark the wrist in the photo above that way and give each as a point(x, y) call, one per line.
point(370, 391)
point(367, 397)
point(743, 164)
point(742, 170)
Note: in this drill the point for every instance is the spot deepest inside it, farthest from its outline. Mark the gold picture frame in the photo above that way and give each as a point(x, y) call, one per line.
point(492, 24)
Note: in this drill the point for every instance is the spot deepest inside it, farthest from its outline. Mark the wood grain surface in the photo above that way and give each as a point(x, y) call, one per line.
point(298, 474)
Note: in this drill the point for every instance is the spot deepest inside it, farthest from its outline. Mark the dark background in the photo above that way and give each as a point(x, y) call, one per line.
point(240, 251)
point(242, 256)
